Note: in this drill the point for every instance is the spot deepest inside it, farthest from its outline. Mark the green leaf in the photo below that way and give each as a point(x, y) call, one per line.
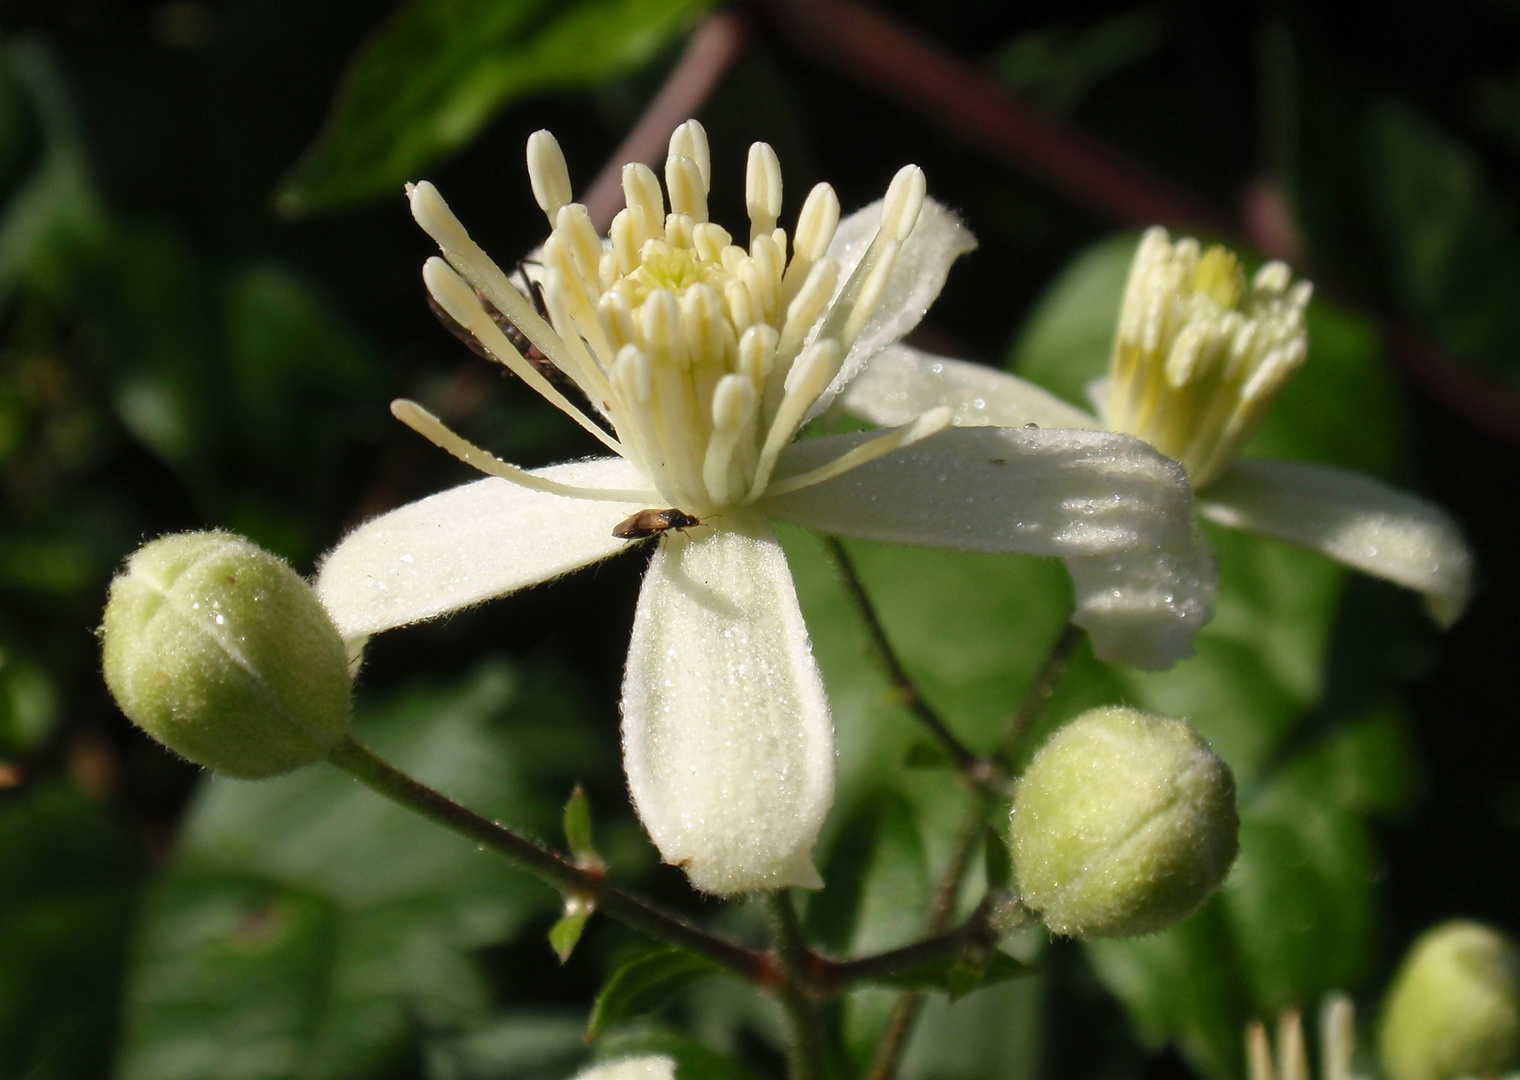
point(438, 70)
point(67, 895)
point(294, 363)
point(28, 700)
point(645, 983)
point(55, 212)
point(310, 927)
point(565, 934)
point(924, 754)
point(1057, 67)
point(578, 824)
point(878, 879)
point(1065, 340)
point(999, 863)
point(520, 1044)
point(1181, 986)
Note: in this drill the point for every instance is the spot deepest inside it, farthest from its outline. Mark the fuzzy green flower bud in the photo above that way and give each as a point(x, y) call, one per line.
point(221, 652)
point(1122, 824)
point(1454, 1009)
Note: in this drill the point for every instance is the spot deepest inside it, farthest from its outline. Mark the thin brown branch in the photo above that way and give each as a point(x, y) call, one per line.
point(890, 58)
point(713, 48)
point(359, 761)
point(971, 764)
point(1038, 695)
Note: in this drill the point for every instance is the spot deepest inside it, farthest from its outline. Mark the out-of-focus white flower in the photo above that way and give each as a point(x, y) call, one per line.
point(1198, 357)
point(643, 1067)
point(700, 359)
point(1337, 1044)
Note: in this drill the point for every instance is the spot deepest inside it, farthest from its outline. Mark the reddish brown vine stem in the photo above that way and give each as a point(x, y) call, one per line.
point(894, 61)
point(714, 47)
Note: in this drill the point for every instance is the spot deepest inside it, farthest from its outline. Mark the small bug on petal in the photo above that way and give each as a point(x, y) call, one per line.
point(648, 523)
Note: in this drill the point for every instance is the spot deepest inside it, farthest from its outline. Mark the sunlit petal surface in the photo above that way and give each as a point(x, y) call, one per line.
point(727, 739)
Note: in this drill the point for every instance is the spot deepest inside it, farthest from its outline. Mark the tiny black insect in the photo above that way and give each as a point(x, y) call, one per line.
point(648, 523)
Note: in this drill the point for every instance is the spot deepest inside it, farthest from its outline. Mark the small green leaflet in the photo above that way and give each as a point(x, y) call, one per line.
point(578, 825)
point(566, 934)
point(645, 983)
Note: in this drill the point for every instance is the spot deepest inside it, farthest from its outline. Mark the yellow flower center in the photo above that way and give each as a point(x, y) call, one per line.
point(1199, 354)
point(706, 355)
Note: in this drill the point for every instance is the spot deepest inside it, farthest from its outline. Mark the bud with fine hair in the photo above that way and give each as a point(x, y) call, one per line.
point(1123, 824)
point(1454, 1009)
point(222, 653)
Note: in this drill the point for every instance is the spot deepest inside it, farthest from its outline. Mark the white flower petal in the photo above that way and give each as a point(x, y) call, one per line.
point(727, 740)
point(1039, 492)
point(902, 382)
point(643, 1067)
point(937, 240)
point(1352, 518)
point(1143, 607)
point(469, 544)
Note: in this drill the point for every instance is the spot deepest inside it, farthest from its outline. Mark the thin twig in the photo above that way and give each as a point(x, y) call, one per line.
point(1038, 695)
point(942, 907)
point(713, 48)
point(359, 761)
point(831, 976)
point(967, 760)
point(804, 1026)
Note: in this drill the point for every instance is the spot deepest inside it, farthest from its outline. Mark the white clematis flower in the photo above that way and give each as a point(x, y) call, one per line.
point(1198, 357)
point(701, 358)
point(642, 1067)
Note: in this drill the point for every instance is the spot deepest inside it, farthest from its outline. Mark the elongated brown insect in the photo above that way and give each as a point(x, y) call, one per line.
point(518, 339)
point(648, 523)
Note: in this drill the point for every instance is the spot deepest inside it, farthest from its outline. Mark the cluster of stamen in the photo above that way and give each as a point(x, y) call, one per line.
point(704, 355)
point(1199, 355)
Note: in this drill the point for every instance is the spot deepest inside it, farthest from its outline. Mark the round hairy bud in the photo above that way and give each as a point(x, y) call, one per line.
point(1454, 1009)
point(1122, 824)
point(221, 652)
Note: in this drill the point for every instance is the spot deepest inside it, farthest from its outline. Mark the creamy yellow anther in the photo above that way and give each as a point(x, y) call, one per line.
point(704, 356)
point(548, 174)
point(762, 190)
point(1199, 355)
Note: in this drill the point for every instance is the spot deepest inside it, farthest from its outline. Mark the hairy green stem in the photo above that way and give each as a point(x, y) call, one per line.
point(359, 761)
point(805, 1043)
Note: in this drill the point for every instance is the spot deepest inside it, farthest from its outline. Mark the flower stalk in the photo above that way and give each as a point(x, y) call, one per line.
point(362, 763)
point(968, 761)
point(973, 827)
point(804, 1026)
